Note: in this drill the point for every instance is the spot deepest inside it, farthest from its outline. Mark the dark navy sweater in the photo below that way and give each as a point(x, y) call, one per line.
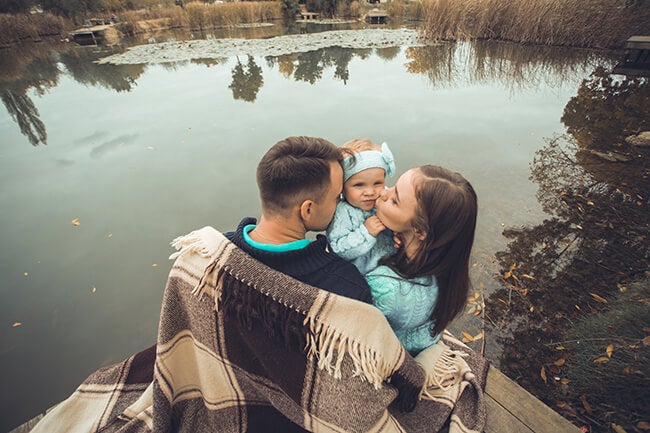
point(316, 265)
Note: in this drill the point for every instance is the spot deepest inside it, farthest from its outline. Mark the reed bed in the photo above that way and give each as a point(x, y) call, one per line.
point(19, 27)
point(597, 23)
point(202, 16)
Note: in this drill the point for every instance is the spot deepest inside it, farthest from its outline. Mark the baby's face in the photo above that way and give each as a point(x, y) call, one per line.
point(362, 189)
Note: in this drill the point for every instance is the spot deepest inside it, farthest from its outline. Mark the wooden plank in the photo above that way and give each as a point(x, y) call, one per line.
point(638, 43)
point(499, 420)
point(525, 407)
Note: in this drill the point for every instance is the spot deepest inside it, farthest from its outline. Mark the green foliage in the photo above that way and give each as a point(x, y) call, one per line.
point(290, 8)
point(246, 80)
point(14, 6)
point(71, 8)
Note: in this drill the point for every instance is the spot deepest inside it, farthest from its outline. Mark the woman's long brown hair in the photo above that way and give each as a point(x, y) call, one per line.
point(446, 212)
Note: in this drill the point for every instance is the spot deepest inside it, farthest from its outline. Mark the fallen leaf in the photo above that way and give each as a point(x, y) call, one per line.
point(110, 235)
point(477, 312)
point(585, 404)
point(609, 350)
point(601, 359)
point(643, 425)
point(590, 203)
point(94, 289)
point(154, 265)
point(479, 336)
point(560, 347)
point(560, 362)
point(628, 369)
point(474, 265)
point(577, 307)
point(646, 341)
point(599, 298)
point(544, 245)
point(25, 273)
point(16, 324)
point(542, 373)
point(467, 337)
point(564, 381)
point(528, 276)
point(532, 308)
point(507, 275)
point(617, 428)
point(75, 222)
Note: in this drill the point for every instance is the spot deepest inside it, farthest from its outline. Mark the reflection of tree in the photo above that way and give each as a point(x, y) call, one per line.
point(388, 53)
point(20, 71)
point(246, 80)
point(565, 269)
point(309, 66)
point(454, 64)
point(82, 67)
point(22, 110)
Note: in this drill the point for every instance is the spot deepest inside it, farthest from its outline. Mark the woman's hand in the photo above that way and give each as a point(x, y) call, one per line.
point(374, 226)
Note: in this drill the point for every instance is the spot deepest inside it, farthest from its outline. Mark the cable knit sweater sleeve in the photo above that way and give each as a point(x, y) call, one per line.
point(347, 233)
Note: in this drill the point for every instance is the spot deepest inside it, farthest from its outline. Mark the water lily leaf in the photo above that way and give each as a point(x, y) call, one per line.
point(542, 373)
point(75, 222)
point(599, 298)
point(601, 359)
point(609, 350)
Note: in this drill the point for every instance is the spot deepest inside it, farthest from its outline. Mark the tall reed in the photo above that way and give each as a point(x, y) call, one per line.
point(597, 23)
point(205, 16)
point(18, 27)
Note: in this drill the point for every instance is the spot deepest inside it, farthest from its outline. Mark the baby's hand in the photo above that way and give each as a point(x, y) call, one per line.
point(397, 240)
point(374, 226)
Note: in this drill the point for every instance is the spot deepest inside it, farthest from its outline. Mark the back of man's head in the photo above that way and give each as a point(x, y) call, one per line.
point(293, 170)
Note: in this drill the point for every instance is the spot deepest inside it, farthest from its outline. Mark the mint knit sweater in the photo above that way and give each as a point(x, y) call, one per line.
point(407, 304)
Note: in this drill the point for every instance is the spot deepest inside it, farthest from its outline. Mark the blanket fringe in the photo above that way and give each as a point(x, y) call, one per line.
point(448, 370)
point(329, 345)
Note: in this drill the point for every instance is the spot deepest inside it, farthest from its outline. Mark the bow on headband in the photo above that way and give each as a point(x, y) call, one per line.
point(369, 159)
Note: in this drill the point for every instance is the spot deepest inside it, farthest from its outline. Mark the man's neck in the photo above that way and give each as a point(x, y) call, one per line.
point(277, 231)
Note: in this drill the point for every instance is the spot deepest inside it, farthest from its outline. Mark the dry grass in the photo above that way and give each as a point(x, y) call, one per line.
point(597, 23)
point(15, 28)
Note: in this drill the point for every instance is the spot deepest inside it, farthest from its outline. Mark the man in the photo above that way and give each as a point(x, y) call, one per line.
point(300, 181)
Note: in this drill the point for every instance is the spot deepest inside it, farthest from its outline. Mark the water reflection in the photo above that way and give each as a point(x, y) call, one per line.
point(444, 65)
point(246, 80)
point(572, 266)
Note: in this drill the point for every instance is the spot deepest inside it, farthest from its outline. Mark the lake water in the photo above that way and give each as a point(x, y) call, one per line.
point(139, 154)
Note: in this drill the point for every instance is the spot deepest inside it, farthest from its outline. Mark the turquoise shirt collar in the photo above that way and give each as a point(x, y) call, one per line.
point(283, 248)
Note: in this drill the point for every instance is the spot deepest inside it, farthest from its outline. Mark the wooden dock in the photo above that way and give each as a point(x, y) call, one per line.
point(510, 409)
point(636, 60)
point(94, 35)
point(377, 16)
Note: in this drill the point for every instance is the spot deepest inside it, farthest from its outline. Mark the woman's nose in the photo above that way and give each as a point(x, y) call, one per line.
point(383, 194)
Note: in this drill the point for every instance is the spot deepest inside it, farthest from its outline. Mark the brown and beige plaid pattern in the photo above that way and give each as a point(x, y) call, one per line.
point(243, 348)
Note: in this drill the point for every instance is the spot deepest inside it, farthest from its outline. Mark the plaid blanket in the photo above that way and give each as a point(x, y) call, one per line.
point(244, 348)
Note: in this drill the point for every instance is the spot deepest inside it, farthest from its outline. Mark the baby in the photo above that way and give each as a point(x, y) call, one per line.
point(355, 233)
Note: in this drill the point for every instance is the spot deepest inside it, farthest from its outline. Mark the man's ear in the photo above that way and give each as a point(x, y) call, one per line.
point(307, 210)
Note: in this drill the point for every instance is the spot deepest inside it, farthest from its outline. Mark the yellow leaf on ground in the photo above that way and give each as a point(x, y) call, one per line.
point(528, 276)
point(609, 350)
point(599, 298)
point(16, 324)
point(507, 275)
point(564, 381)
point(617, 428)
point(560, 347)
point(646, 341)
point(601, 359)
point(542, 373)
point(479, 336)
point(75, 222)
point(477, 312)
point(560, 362)
point(467, 337)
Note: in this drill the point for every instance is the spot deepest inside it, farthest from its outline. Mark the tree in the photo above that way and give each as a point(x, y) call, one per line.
point(15, 6)
point(71, 8)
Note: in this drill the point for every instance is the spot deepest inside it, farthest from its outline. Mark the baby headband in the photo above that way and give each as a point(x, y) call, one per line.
point(369, 159)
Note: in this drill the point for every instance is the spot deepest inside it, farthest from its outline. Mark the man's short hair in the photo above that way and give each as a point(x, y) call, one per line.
point(295, 169)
